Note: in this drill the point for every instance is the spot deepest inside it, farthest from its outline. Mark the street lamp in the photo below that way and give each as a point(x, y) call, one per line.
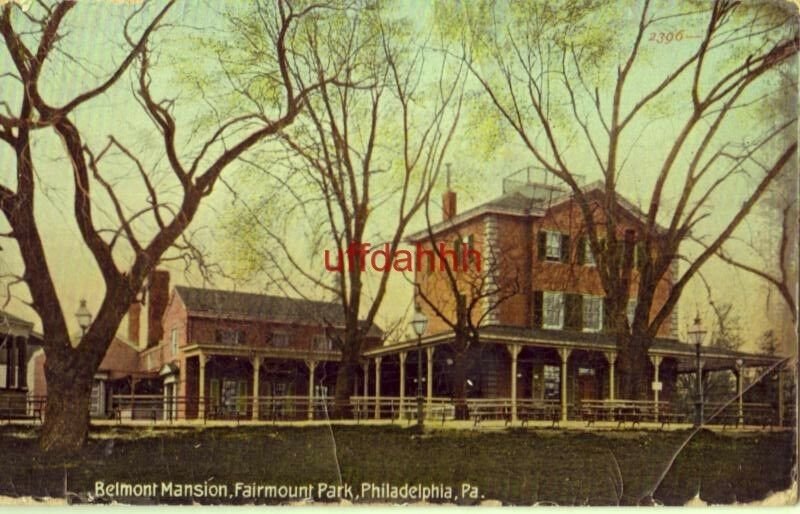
point(696, 335)
point(418, 323)
point(84, 317)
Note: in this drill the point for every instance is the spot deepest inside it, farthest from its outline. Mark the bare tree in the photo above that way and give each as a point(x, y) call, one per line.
point(467, 288)
point(566, 90)
point(360, 162)
point(125, 241)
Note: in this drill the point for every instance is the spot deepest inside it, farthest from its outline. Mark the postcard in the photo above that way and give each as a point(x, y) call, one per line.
point(398, 252)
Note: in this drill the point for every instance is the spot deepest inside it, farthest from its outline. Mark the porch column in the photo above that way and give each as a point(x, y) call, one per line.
point(656, 360)
point(429, 351)
point(402, 380)
point(564, 354)
point(612, 360)
point(740, 392)
point(201, 387)
point(514, 350)
point(365, 370)
point(256, 379)
point(312, 365)
point(378, 387)
point(780, 396)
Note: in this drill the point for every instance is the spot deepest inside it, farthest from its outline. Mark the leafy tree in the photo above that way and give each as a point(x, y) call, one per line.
point(358, 164)
point(574, 79)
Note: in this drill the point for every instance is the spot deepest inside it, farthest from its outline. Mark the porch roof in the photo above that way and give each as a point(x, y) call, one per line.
point(593, 341)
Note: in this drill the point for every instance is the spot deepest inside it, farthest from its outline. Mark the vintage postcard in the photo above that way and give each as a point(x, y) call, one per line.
point(398, 252)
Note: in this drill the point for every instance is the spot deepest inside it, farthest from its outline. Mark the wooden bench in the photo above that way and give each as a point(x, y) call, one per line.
point(10, 414)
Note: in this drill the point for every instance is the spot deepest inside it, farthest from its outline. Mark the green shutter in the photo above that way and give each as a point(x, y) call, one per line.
point(565, 248)
point(573, 311)
point(241, 393)
point(581, 251)
point(542, 245)
point(641, 255)
point(538, 300)
point(214, 392)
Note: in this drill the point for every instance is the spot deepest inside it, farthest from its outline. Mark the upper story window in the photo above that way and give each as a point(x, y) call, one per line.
point(592, 313)
point(230, 336)
point(321, 343)
point(631, 310)
point(588, 255)
point(553, 251)
point(173, 341)
point(279, 339)
point(553, 246)
point(552, 310)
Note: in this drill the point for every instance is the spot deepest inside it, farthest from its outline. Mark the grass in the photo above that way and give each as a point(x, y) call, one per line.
point(519, 467)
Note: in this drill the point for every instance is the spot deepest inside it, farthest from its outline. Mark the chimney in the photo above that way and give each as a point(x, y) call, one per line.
point(134, 322)
point(158, 295)
point(448, 205)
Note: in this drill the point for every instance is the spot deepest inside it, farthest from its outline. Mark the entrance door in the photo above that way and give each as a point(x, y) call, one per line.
point(587, 384)
point(229, 395)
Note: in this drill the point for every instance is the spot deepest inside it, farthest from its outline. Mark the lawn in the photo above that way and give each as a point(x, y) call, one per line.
point(518, 467)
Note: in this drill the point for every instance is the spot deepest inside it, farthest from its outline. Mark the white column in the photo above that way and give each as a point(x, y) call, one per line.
point(514, 350)
point(378, 387)
point(312, 365)
point(256, 383)
point(201, 388)
point(429, 352)
point(740, 393)
point(656, 360)
point(365, 368)
point(402, 356)
point(564, 354)
point(612, 359)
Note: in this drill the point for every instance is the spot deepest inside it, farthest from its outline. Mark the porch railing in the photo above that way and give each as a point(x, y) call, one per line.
point(158, 408)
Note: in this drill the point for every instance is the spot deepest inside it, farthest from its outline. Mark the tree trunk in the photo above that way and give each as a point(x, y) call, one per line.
point(69, 387)
point(345, 378)
point(460, 385)
point(633, 365)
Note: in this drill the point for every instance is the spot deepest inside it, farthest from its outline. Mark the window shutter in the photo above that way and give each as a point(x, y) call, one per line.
point(538, 300)
point(581, 251)
point(641, 256)
point(573, 311)
point(564, 247)
point(542, 246)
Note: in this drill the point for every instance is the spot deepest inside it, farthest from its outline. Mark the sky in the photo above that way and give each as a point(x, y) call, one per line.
point(95, 42)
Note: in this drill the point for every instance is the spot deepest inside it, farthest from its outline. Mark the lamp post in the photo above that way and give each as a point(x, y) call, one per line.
point(418, 323)
point(84, 317)
point(696, 335)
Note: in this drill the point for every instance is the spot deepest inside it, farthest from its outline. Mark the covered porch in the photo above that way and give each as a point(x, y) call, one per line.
point(519, 375)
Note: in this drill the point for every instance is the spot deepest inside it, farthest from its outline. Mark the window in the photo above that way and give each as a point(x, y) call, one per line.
point(229, 336)
point(553, 248)
point(592, 313)
point(321, 343)
point(631, 310)
point(174, 341)
point(279, 339)
point(588, 256)
point(553, 310)
point(586, 372)
point(552, 382)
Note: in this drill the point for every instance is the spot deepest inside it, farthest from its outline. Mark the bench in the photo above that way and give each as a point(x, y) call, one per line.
point(10, 414)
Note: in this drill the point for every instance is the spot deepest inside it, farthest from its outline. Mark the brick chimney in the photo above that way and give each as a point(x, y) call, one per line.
point(134, 322)
point(448, 205)
point(158, 296)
